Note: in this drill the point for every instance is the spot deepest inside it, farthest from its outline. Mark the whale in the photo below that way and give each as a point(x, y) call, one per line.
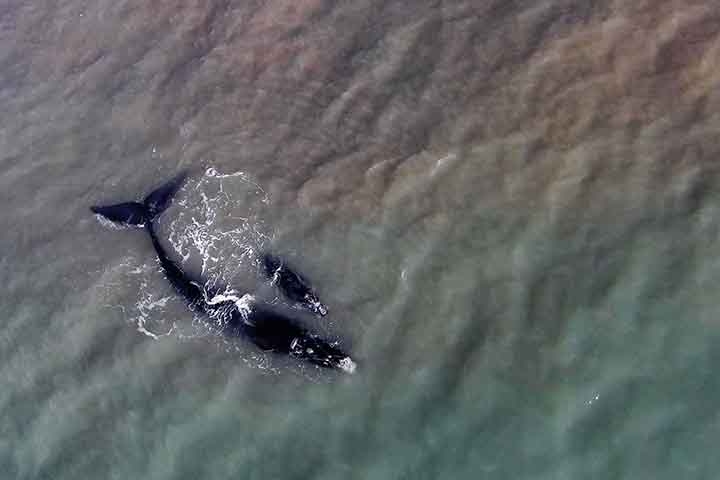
point(264, 326)
point(293, 285)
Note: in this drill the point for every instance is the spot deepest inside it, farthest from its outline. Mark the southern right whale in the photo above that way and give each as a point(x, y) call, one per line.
point(292, 284)
point(265, 327)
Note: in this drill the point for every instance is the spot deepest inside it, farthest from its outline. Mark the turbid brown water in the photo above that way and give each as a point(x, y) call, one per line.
point(509, 208)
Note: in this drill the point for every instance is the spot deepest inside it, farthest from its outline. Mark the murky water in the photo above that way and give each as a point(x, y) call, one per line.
point(509, 208)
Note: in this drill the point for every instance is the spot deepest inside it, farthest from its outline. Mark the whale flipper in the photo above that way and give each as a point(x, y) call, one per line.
point(292, 284)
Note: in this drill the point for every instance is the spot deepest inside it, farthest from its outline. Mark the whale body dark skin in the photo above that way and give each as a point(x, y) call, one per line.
point(292, 284)
point(266, 328)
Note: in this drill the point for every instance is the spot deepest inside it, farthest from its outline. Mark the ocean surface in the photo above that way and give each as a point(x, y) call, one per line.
point(510, 209)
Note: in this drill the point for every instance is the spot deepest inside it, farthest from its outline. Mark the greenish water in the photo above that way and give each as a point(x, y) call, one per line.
point(522, 303)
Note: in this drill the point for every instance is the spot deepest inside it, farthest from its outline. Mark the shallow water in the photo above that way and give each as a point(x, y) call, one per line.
point(509, 209)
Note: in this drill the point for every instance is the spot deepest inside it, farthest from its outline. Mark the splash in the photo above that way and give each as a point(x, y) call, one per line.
point(243, 303)
point(200, 228)
point(212, 173)
point(147, 304)
point(146, 313)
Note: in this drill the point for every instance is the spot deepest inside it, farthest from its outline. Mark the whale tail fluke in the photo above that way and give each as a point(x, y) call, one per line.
point(129, 213)
point(138, 214)
point(159, 199)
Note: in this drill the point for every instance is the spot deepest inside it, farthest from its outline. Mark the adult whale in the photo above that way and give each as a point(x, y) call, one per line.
point(265, 327)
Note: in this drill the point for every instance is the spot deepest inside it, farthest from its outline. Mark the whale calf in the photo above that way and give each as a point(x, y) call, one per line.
point(292, 284)
point(268, 329)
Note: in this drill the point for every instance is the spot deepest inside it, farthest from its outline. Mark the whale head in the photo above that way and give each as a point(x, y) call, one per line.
point(321, 353)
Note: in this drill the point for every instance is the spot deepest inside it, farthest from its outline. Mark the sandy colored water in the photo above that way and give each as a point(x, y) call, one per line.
point(510, 209)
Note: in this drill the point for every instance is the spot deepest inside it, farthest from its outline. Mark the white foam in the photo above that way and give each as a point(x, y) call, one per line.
point(442, 164)
point(243, 303)
point(199, 230)
point(213, 173)
point(115, 225)
point(145, 306)
point(347, 365)
point(316, 305)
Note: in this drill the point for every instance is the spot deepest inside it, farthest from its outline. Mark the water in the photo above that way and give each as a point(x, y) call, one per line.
point(509, 208)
